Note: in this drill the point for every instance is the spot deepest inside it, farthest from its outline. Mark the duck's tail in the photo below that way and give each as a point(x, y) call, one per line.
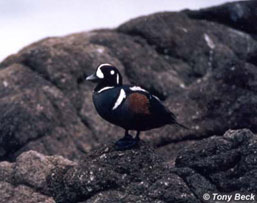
point(181, 125)
point(173, 120)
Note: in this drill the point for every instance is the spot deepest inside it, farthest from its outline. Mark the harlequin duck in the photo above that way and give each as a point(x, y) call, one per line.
point(130, 107)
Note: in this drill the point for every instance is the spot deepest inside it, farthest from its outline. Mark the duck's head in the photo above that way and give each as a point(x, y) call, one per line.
point(106, 75)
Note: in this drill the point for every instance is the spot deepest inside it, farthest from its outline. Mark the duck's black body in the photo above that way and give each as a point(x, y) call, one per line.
point(127, 106)
point(148, 114)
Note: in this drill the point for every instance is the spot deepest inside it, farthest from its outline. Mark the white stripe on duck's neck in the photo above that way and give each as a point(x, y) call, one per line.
point(105, 88)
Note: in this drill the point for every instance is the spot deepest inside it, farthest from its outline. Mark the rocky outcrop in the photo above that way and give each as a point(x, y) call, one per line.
point(107, 175)
point(36, 115)
point(227, 162)
point(205, 72)
point(201, 64)
point(224, 164)
point(239, 15)
point(26, 179)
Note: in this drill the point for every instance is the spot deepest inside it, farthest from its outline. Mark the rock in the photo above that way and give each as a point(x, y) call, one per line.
point(212, 100)
point(199, 44)
point(223, 164)
point(106, 175)
point(240, 15)
point(6, 171)
point(25, 179)
point(228, 162)
point(36, 115)
point(222, 100)
point(31, 168)
point(21, 193)
point(203, 71)
point(201, 64)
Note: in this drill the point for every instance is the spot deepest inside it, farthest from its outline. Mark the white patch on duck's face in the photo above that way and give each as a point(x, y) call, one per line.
point(137, 88)
point(99, 73)
point(105, 88)
point(121, 97)
point(112, 72)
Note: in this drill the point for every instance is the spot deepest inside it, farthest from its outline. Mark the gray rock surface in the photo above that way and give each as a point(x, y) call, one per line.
point(25, 180)
point(239, 15)
point(107, 175)
point(203, 71)
point(224, 164)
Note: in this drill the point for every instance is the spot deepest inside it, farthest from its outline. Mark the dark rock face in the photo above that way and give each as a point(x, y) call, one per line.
point(36, 115)
point(217, 164)
point(201, 64)
point(113, 176)
point(240, 15)
point(228, 162)
point(105, 175)
point(219, 71)
point(203, 71)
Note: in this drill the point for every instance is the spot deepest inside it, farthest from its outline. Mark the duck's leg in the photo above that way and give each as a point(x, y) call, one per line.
point(137, 138)
point(127, 136)
point(126, 142)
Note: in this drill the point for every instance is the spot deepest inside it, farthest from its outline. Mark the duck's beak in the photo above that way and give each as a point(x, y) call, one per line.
point(92, 78)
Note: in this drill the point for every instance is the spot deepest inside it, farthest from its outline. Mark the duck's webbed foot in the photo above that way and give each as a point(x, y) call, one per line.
point(127, 142)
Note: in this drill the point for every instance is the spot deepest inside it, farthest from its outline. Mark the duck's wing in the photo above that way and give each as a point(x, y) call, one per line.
point(140, 101)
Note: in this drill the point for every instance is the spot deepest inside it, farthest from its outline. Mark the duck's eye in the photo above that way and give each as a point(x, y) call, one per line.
point(112, 72)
